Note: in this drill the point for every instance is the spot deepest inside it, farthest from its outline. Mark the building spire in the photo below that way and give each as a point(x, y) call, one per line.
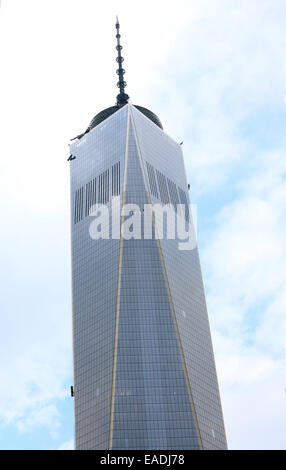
point(122, 98)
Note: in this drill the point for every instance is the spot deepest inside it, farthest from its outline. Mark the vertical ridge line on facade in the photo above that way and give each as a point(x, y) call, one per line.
point(118, 289)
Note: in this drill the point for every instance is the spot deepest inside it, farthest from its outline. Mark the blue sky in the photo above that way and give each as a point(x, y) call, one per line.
point(215, 73)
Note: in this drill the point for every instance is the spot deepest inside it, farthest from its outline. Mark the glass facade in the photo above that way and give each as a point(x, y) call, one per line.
point(144, 371)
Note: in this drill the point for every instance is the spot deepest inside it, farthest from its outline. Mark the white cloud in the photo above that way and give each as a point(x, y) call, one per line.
point(253, 396)
point(47, 416)
point(225, 70)
point(68, 445)
point(33, 381)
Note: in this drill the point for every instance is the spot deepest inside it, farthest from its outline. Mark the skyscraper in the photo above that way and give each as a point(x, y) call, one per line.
point(144, 370)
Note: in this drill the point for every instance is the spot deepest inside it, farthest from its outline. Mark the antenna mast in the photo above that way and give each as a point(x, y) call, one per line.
point(122, 98)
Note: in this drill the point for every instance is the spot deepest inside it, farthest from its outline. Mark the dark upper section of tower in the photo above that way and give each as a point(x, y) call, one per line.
point(122, 98)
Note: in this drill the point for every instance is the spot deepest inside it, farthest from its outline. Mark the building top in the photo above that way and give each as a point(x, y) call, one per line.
point(109, 111)
point(122, 98)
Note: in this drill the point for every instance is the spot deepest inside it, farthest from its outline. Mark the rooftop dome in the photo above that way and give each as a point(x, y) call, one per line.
point(109, 111)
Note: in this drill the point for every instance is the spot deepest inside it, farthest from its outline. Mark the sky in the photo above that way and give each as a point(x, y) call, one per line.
point(214, 71)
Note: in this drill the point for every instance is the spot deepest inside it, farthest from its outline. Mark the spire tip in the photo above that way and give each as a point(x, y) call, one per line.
point(122, 98)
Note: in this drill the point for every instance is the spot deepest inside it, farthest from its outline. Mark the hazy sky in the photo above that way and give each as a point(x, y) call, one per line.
point(214, 71)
